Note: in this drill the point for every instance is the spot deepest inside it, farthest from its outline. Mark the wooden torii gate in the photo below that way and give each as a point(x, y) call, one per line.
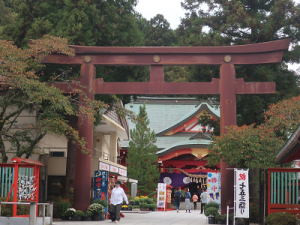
point(158, 57)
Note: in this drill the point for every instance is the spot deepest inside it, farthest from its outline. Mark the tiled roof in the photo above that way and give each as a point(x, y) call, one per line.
point(161, 115)
point(162, 142)
point(191, 114)
point(196, 143)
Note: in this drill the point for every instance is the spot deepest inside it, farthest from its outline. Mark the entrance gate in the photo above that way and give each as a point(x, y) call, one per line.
point(157, 57)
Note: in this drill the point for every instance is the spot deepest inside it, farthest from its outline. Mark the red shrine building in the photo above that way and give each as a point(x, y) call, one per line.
point(182, 143)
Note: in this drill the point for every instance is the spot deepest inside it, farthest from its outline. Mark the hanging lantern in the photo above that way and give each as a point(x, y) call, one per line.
point(194, 180)
point(189, 179)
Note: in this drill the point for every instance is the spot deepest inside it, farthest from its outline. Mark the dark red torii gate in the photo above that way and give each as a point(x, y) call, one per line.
point(158, 57)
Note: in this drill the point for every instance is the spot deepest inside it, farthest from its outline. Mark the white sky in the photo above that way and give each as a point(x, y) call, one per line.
point(172, 11)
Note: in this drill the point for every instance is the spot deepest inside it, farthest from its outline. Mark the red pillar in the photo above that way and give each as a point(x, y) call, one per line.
point(83, 162)
point(228, 118)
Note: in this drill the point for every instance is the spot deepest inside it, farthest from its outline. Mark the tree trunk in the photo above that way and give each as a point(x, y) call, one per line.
point(70, 172)
point(254, 190)
point(4, 158)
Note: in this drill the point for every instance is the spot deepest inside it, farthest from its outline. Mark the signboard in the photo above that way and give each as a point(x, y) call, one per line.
point(161, 195)
point(214, 188)
point(113, 169)
point(101, 186)
point(241, 193)
point(123, 172)
point(103, 166)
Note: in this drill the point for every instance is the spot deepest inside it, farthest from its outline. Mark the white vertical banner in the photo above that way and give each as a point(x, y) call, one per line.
point(241, 193)
point(214, 188)
point(161, 195)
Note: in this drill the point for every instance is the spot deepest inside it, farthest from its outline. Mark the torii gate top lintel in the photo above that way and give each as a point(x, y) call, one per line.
point(261, 53)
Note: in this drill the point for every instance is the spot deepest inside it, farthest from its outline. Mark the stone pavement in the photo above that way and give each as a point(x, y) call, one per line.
point(151, 218)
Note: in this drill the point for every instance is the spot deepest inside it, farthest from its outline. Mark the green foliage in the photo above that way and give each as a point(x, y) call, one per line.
point(281, 218)
point(255, 146)
point(220, 217)
point(159, 32)
point(87, 214)
point(101, 202)
point(152, 206)
point(6, 16)
point(59, 207)
point(79, 213)
point(149, 201)
point(211, 211)
point(142, 154)
point(254, 213)
point(7, 210)
point(211, 204)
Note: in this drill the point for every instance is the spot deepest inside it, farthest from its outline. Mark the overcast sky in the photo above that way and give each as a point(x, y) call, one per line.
point(172, 12)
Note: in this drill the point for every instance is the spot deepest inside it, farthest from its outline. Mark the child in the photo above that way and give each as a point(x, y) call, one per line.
point(195, 199)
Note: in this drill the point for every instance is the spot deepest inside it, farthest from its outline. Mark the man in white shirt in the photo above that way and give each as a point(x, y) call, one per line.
point(203, 197)
point(116, 199)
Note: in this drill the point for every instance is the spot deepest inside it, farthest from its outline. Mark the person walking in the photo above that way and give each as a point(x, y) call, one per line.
point(177, 197)
point(203, 197)
point(116, 200)
point(187, 197)
point(195, 199)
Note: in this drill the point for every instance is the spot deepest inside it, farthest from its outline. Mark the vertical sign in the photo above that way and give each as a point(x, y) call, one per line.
point(214, 188)
point(101, 186)
point(241, 194)
point(161, 195)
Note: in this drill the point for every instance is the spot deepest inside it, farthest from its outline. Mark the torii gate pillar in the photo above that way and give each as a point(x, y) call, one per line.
point(83, 162)
point(228, 118)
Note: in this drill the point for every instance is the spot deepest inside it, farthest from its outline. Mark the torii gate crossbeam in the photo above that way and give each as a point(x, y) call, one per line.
point(158, 57)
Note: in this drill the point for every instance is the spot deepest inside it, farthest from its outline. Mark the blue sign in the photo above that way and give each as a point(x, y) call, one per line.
point(101, 186)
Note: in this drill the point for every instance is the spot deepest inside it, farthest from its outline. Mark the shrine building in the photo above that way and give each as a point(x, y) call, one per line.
point(182, 143)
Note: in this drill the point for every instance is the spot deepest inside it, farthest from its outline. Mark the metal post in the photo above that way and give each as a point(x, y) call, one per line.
point(32, 217)
point(227, 217)
point(0, 208)
point(43, 214)
point(49, 211)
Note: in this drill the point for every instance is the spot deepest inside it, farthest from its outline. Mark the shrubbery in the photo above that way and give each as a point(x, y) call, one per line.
point(281, 218)
point(212, 204)
point(211, 211)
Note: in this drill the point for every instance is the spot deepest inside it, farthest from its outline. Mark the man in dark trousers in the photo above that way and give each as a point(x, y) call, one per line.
point(203, 197)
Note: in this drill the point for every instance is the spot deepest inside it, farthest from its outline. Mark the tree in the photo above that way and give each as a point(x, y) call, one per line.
point(142, 154)
point(239, 22)
point(255, 146)
point(159, 32)
point(22, 90)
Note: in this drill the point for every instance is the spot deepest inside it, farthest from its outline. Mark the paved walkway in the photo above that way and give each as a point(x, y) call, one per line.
point(151, 218)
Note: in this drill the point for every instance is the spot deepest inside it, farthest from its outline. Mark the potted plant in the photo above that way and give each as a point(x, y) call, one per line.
point(144, 207)
point(153, 207)
point(231, 218)
point(130, 207)
point(220, 219)
point(101, 202)
point(96, 209)
point(211, 204)
point(86, 216)
point(135, 208)
point(78, 215)
point(124, 207)
point(69, 213)
point(211, 212)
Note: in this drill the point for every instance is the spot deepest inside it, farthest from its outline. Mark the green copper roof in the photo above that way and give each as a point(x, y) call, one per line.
point(191, 114)
point(185, 144)
point(162, 142)
point(160, 115)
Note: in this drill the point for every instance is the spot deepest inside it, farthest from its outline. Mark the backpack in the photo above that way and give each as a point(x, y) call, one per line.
point(177, 195)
